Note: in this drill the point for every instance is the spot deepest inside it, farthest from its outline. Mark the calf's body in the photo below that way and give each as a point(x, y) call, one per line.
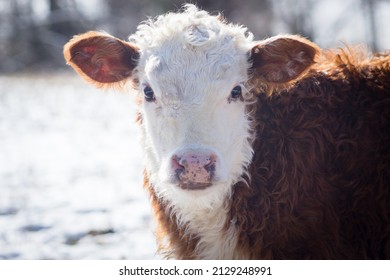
point(254, 150)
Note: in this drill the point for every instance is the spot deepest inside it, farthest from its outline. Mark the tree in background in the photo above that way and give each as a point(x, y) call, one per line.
point(33, 32)
point(32, 38)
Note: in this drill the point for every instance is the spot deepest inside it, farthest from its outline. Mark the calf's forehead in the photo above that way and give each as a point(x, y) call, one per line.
point(190, 49)
point(182, 68)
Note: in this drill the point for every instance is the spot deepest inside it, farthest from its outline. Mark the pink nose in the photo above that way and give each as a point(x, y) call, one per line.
point(194, 170)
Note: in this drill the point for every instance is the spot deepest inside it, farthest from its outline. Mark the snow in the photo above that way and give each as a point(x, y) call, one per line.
point(70, 172)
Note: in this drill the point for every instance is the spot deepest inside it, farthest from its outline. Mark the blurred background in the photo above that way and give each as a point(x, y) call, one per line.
point(70, 163)
point(33, 32)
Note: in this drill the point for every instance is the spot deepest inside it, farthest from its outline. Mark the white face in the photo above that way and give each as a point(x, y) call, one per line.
point(192, 109)
point(192, 71)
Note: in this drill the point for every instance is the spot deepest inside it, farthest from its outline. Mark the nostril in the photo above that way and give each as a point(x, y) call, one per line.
point(198, 166)
point(210, 167)
point(210, 163)
point(176, 166)
point(193, 169)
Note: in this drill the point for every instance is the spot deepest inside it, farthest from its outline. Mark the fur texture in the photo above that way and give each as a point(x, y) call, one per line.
point(320, 176)
point(319, 185)
point(302, 156)
point(192, 61)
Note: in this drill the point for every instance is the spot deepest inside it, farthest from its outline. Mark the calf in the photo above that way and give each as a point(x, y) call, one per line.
point(269, 149)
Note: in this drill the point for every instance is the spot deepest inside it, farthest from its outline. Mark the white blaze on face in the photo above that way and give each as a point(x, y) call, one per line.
point(192, 113)
point(194, 131)
point(192, 72)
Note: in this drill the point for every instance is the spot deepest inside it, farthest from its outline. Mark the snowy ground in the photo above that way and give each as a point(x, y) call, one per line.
point(70, 172)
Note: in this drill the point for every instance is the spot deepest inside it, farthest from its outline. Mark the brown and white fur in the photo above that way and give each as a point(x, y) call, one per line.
point(270, 149)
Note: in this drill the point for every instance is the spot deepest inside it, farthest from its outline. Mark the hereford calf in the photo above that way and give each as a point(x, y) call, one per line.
point(269, 149)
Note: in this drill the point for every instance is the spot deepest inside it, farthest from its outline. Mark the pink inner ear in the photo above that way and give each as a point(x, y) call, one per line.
point(104, 59)
point(89, 49)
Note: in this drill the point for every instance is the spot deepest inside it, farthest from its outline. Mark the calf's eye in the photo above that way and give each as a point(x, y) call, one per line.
point(236, 93)
point(149, 94)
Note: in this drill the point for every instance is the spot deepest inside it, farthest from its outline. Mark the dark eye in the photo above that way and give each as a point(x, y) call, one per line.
point(236, 93)
point(149, 94)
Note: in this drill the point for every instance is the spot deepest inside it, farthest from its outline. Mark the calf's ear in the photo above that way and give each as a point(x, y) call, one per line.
point(282, 59)
point(100, 58)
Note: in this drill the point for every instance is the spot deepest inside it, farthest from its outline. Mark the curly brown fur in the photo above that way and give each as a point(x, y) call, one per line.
point(320, 176)
point(319, 185)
